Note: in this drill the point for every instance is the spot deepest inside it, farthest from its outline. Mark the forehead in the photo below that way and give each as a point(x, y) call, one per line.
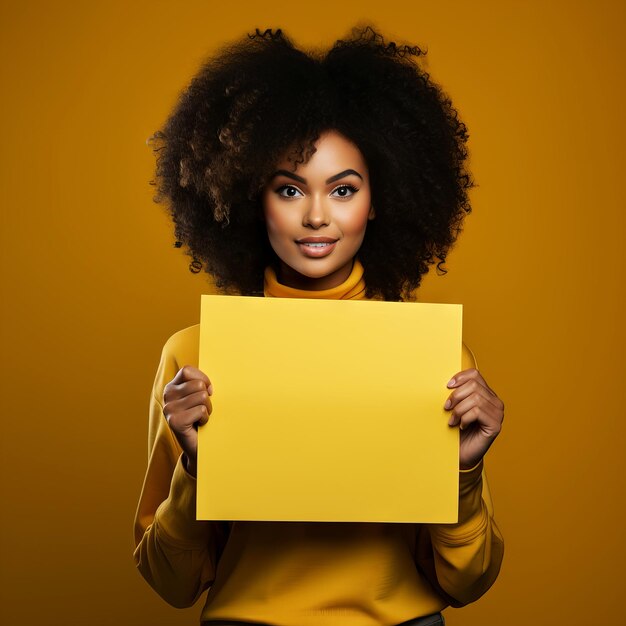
point(333, 153)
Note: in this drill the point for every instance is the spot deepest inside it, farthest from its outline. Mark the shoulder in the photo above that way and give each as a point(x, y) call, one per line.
point(468, 360)
point(182, 347)
point(179, 350)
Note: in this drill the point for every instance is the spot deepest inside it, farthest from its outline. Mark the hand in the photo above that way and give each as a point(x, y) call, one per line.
point(478, 411)
point(187, 405)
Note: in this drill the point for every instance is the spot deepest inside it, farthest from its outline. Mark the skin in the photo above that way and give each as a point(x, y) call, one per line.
point(327, 197)
point(476, 409)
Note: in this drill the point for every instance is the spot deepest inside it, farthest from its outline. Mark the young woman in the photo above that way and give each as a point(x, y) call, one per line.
point(336, 175)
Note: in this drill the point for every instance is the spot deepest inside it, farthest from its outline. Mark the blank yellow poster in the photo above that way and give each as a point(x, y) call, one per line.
point(327, 410)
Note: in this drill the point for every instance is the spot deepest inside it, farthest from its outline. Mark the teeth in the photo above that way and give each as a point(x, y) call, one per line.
point(317, 245)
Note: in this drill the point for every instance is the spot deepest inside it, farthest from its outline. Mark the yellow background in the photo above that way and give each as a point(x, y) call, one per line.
point(92, 285)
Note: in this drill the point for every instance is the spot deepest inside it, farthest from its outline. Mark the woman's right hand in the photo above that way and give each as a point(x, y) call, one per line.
point(187, 405)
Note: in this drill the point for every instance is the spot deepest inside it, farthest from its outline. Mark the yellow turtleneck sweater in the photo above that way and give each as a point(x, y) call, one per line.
point(303, 574)
point(353, 288)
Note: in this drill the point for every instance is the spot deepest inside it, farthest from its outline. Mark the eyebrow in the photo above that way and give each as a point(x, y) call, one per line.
point(332, 179)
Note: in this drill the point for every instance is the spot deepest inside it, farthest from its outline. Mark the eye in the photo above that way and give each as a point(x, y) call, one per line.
point(343, 191)
point(288, 191)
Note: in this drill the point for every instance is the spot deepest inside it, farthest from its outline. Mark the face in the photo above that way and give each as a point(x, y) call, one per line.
point(316, 216)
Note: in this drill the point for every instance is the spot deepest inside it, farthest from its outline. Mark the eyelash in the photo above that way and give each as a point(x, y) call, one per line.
point(352, 189)
point(283, 188)
point(348, 186)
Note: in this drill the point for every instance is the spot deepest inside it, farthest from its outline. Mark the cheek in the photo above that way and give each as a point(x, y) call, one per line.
point(272, 223)
point(276, 223)
point(356, 221)
point(269, 215)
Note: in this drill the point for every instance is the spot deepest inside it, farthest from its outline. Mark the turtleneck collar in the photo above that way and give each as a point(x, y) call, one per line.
point(353, 288)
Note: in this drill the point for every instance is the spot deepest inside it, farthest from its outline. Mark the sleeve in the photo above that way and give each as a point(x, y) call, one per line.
point(175, 553)
point(463, 560)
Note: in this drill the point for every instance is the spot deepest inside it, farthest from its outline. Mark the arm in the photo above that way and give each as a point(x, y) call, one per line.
point(175, 553)
point(462, 560)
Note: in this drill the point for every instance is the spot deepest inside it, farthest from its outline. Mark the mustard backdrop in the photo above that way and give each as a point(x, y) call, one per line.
point(93, 285)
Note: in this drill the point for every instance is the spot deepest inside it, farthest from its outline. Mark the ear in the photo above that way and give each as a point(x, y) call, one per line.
point(372, 213)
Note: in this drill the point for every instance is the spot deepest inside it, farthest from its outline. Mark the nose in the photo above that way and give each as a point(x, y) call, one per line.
point(316, 213)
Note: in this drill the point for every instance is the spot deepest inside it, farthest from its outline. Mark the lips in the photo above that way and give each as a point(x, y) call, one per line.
point(316, 247)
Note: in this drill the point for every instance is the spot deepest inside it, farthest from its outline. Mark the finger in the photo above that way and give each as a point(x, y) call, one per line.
point(486, 412)
point(183, 421)
point(470, 374)
point(488, 428)
point(188, 402)
point(188, 372)
point(472, 387)
point(174, 391)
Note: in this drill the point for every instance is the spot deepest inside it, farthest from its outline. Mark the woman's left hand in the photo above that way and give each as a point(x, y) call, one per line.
point(478, 411)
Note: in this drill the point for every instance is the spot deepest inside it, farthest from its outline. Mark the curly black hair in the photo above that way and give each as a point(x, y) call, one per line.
point(261, 99)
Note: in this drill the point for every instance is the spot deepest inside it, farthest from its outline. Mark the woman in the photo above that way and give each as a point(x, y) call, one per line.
point(308, 175)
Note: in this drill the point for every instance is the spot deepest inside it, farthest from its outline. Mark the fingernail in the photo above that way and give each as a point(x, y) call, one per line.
point(210, 390)
point(451, 421)
point(448, 404)
point(451, 382)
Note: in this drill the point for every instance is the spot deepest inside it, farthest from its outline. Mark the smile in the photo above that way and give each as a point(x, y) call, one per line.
point(316, 247)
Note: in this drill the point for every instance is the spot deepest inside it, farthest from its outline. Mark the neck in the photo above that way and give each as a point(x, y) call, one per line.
point(351, 288)
point(288, 277)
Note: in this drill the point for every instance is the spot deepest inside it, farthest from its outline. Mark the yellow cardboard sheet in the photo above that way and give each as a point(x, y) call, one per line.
point(327, 410)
